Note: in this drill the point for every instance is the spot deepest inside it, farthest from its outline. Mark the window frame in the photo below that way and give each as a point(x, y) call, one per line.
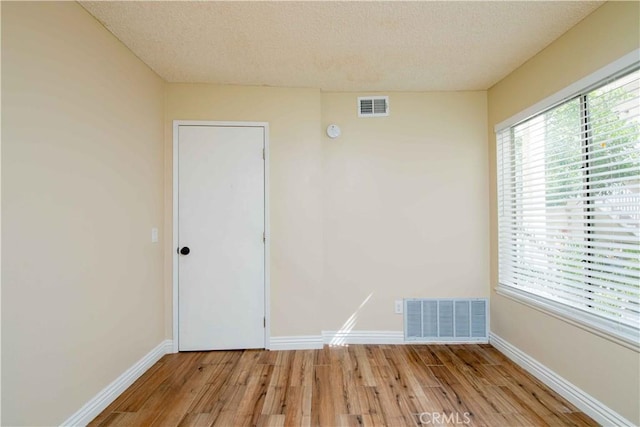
point(622, 334)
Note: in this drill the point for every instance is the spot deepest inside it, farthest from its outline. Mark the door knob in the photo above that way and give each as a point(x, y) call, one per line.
point(185, 250)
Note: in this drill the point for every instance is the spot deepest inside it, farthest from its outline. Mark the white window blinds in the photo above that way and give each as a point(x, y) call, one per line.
point(569, 203)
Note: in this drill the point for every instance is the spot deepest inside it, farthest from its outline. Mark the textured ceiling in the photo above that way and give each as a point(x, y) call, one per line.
point(339, 46)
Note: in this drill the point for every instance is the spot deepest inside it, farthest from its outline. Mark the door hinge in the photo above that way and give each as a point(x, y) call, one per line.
point(263, 155)
point(264, 237)
point(264, 322)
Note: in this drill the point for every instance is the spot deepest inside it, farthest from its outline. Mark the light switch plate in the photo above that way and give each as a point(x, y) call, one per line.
point(154, 235)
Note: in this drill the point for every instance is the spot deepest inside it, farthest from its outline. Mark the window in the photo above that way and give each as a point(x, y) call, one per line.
point(569, 207)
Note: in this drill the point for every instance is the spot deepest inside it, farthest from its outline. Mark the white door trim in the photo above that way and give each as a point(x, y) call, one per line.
point(267, 293)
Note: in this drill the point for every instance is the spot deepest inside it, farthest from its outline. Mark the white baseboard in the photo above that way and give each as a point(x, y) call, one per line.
point(309, 342)
point(583, 401)
point(302, 342)
point(100, 401)
point(362, 337)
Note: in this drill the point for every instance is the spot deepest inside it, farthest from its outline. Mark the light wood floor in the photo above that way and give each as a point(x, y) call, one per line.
point(405, 385)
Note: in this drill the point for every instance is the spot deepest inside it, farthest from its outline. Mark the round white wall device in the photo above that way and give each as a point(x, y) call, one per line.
point(333, 131)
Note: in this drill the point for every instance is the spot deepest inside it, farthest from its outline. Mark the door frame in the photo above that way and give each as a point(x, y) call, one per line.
point(175, 240)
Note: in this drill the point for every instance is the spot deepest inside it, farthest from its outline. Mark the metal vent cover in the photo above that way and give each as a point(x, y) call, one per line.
point(446, 320)
point(373, 106)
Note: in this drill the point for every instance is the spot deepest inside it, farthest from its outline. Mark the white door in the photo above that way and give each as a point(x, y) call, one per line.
point(221, 220)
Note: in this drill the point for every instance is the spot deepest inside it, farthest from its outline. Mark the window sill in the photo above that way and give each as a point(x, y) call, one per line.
point(619, 334)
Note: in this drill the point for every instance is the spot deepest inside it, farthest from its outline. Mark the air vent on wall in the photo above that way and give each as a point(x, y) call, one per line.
point(446, 320)
point(373, 106)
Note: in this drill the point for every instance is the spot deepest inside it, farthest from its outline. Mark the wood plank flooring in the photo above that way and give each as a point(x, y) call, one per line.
point(356, 385)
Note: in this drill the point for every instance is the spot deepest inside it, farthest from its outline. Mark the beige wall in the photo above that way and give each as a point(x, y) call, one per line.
point(82, 185)
point(332, 201)
point(295, 189)
point(605, 370)
point(0, 221)
point(405, 205)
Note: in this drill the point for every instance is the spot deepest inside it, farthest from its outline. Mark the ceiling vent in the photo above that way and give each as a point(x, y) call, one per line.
point(373, 106)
